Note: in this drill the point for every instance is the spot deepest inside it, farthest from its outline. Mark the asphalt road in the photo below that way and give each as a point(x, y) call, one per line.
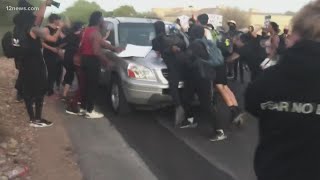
point(155, 150)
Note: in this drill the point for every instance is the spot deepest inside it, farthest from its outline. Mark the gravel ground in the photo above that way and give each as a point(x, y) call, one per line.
point(23, 146)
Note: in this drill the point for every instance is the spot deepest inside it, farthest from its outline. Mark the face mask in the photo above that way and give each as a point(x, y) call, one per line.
point(232, 27)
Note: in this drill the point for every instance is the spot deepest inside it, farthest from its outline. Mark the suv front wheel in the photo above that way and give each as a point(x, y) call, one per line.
point(117, 98)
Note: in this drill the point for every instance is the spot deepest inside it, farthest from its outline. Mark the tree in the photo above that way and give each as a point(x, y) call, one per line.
point(81, 11)
point(290, 13)
point(150, 15)
point(241, 17)
point(125, 11)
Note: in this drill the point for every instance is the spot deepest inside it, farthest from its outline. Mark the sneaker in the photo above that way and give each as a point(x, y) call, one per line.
point(40, 123)
point(238, 120)
point(190, 119)
point(230, 77)
point(94, 115)
point(73, 111)
point(19, 98)
point(219, 136)
point(64, 99)
point(82, 112)
point(187, 125)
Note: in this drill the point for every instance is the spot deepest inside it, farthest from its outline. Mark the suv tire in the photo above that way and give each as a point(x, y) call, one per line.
point(118, 101)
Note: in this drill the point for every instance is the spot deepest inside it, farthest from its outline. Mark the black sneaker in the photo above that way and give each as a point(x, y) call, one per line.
point(187, 124)
point(230, 77)
point(219, 136)
point(73, 110)
point(40, 123)
point(19, 98)
point(64, 99)
point(238, 120)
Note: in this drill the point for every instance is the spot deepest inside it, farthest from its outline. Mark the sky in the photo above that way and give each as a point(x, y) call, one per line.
point(279, 6)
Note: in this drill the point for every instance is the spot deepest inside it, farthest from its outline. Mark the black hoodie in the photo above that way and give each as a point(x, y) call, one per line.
point(286, 100)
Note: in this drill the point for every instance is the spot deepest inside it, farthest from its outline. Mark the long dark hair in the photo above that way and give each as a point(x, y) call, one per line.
point(160, 28)
point(275, 27)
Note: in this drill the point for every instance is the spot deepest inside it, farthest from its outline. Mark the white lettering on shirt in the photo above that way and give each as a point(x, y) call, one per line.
point(307, 108)
point(284, 106)
point(296, 107)
point(291, 107)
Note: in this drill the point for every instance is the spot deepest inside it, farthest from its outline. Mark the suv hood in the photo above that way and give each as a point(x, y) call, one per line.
point(151, 61)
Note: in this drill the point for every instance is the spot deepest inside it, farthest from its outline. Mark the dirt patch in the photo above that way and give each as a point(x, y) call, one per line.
point(46, 152)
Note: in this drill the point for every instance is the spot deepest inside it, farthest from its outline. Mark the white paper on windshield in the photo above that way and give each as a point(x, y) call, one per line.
point(135, 51)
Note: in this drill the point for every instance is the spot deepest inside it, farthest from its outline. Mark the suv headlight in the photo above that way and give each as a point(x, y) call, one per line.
point(140, 72)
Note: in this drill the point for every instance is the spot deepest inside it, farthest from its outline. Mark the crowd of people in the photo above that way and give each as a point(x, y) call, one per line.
point(282, 94)
point(46, 50)
point(239, 50)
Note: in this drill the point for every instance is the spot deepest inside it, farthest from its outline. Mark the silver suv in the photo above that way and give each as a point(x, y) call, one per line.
point(134, 82)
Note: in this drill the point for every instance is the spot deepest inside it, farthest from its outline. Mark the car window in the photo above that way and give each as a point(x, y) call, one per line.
point(136, 33)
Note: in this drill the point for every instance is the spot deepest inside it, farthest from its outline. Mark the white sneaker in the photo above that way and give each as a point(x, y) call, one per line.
point(190, 119)
point(94, 115)
point(219, 136)
point(82, 112)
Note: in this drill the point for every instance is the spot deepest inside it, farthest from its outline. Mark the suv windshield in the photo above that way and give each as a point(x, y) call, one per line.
point(140, 34)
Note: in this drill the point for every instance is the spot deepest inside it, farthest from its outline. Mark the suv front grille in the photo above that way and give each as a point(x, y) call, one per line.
point(165, 73)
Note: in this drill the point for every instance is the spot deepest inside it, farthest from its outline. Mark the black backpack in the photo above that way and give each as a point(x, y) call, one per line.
point(7, 45)
point(15, 43)
point(167, 41)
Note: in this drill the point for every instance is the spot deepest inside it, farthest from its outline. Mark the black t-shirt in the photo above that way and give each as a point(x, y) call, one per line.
point(72, 46)
point(72, 42)
point(249, 55)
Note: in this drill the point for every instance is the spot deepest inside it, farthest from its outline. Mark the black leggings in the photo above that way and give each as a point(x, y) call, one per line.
point(70, 73)
point(51, 62)
point(59, 72)
point(175, 75)
point(38, 101)
point(238, 65)
point(203, 89)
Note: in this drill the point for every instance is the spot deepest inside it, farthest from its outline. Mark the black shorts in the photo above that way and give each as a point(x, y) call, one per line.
point(221, 75)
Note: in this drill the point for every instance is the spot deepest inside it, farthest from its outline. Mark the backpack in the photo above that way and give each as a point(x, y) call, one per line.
point(7, 45)
point(15, 43)
point(167, 41)
point(215, 56)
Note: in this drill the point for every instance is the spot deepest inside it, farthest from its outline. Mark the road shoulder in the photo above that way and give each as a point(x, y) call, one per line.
point(54, 158)
point(102, 151)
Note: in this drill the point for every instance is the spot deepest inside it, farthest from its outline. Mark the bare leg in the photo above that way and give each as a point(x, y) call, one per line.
point(225, 95)
point(231, 96)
